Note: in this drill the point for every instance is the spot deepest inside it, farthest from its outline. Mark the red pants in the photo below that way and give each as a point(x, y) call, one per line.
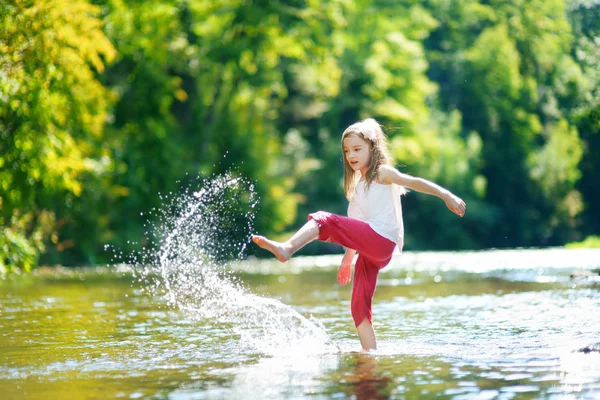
point(374, 253)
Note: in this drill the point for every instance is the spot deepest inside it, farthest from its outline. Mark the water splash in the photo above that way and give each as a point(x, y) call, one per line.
point(198, 234)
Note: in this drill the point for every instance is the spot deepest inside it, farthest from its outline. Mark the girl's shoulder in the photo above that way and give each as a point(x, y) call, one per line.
point(387, 169)
point(384, 172)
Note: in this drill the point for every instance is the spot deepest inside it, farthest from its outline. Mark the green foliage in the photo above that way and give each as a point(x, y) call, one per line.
point(554, 166)
point(52, 111)
point(585, 19)
point(511, 75)
point(200, 92)
point(22, 238)
point(441, 154)
point(591, 242)
point(105, 107)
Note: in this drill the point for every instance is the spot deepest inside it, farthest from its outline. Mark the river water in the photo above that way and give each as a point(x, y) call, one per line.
point(468, 325)
point(175, 320)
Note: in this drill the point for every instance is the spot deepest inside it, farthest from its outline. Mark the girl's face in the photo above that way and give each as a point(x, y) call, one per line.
point(357, 152)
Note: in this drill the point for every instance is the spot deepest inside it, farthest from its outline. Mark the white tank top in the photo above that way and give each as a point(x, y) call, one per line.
point(380, 207)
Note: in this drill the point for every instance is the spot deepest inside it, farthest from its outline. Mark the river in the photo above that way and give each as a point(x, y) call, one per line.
point(496, 324)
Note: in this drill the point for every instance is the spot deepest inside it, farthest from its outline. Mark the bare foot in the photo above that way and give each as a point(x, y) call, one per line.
point(279, 250)
point(344, 273)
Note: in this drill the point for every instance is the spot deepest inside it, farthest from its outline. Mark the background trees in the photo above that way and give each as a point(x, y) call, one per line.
point(52, 114)
point(103, 106)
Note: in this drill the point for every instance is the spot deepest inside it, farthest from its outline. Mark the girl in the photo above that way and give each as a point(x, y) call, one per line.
point(374, 225)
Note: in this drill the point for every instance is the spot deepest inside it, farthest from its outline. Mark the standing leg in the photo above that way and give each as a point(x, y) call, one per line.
point(375, 252)
point(363, 289)
point(366, 335)
point(283, 251)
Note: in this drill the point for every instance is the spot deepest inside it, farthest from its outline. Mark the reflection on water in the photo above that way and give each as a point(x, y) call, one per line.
point(362, 378)
point(493, 333)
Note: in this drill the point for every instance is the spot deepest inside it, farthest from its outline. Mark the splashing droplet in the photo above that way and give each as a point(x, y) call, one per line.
point(197, 236)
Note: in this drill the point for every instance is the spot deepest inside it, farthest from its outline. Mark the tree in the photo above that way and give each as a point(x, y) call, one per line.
point(52, 113)
point(584, 17)
point(383, 74)
point(507, 69)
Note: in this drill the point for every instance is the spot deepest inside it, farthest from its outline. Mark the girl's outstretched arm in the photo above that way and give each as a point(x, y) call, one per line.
point(345, 270)
point(388, 175)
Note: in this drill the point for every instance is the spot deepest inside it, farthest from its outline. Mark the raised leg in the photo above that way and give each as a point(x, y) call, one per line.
point(283, 251)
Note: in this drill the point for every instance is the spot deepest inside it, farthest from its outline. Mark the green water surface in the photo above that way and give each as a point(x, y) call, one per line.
point(485, 325)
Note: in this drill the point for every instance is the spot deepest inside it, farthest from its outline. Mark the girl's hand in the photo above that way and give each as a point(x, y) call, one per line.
point(344, 273)
point(455, 204)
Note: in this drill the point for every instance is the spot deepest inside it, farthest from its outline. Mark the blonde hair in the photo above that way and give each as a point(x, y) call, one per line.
point(370, 131)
